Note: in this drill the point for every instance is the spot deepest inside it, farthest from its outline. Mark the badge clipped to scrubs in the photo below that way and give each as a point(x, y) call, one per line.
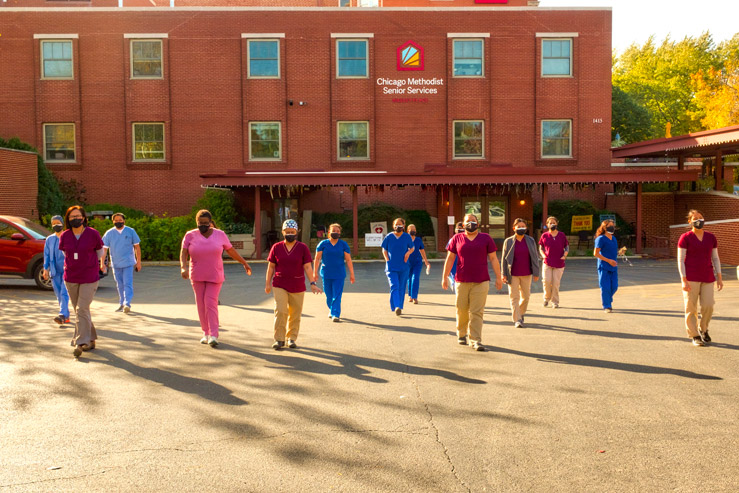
point(75, 256)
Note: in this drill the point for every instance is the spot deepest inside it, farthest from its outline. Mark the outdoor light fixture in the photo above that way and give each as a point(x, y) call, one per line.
point(522, 202)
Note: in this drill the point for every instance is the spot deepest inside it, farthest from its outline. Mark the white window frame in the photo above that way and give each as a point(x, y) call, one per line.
point(541, 144)
point(454, 140)
point(74, 145)
point(161, 59)
point(164, 143)
point(279, 129)
point(482, 58)
point(366, 58)
point(248, 59)
point(55, 40)
point(338, 141)
point(572, 55)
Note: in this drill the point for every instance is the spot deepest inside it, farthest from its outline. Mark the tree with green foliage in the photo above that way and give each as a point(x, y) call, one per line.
point(717, 89)
point(630, 121)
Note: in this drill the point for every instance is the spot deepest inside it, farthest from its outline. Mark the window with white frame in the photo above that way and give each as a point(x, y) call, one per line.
point(146, 59)
point(59, 143)
point(468, 57)
point(556, 57)
point(469, 140)
point(556, 138)
point(148, 142)
point(351, 57)
point(353, 140)
point(56, 59)
point(265, 141)
point(264, 58)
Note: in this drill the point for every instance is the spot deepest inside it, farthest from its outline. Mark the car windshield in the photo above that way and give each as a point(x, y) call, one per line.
point(38, 232)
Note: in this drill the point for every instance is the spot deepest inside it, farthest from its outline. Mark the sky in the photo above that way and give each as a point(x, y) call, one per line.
point(635, 20)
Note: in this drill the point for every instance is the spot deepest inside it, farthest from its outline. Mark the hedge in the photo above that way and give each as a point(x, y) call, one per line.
point(563, 210)
point(375, 213)
point(161, 237)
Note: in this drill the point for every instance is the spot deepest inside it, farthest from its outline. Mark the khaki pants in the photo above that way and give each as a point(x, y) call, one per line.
point(288, 309)
point(81, 297)
point(471, 298)
point(702, 291)
point(552, 276)
point(519, 292)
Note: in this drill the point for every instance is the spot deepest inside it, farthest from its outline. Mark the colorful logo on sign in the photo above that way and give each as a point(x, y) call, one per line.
point(410, 56)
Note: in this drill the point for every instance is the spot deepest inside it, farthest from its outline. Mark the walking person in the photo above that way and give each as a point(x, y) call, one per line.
point(397, 247)
point(699, 267)
point(519, 263)
point(606, 251)
point(554, 248)
point(125, 256)
point(83, 248)
point(416, 261)
point(202, 249)
point(54, 269)
point(473, 250)
point(333, 257)
point(289, 265)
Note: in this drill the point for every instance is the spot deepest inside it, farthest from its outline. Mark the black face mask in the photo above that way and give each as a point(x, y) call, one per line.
point(290, 238)
point(399, 229)
point(76, 223)
point(335, 236)
point(611, 229)
point(470, 227)
point(119, 225)
point(552, 227)
point(460, 231)
point(203, 228)
point(698, 223)
point(520, 231)
point(412, 233)
point(57, 228)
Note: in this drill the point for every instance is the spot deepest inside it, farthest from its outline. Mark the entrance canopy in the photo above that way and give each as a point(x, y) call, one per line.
point(699, 144)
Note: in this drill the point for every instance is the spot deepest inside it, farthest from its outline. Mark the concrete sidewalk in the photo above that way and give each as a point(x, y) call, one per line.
point(579, 400)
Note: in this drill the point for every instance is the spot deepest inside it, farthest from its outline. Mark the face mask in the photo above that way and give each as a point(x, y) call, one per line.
point(203, 228)
point(470, 227)
point(611, 229)
point(290, 238)
point(460, 231)
point(520, 231)
point(335, 236)
point(552, 227)
point(76, 223)
point(412, 233)
point(698, 223)
point(118, 225)
point(399, 229)
point(57, 228)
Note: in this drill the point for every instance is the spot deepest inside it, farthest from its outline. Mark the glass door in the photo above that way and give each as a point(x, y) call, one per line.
point(491, 212)
point(285, 209)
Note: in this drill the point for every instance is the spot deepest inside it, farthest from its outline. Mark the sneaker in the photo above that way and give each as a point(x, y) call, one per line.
point(330, 316)
point(546, 304)
point(477, 346)
point(204, 339)
point(518, 324)
point(126, 309)
point(291, 344)
point(697, 341)
point(608, 310)
point(78, 352)
point(705, 336)
point(336, 319)
point(120, 308)
point(415, 301)
point(555, 305)
point(278, 345)
point(88, 347)
point(462, 341)
point(398, 311)
point(58, 319)
point(212, 341)
point(67, 321)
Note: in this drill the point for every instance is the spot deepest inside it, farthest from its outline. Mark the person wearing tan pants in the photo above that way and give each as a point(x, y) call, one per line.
point(553, 247)
point(519, 264)
point(288, 311)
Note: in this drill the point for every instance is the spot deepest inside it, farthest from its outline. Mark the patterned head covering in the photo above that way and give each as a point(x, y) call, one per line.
point(57, 218)
point(290, 223)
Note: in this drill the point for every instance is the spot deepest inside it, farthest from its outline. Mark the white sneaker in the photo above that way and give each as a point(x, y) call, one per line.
point(212, 341)
point(204, 340)
point(555, 305)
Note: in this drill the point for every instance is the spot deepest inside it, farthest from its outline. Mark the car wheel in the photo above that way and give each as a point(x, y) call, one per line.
point(38, 276)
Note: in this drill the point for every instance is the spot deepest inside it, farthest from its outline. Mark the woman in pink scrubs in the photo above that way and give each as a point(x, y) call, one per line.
point(204, 247)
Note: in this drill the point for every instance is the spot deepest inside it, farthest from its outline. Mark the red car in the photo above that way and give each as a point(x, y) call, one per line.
point(22, 249)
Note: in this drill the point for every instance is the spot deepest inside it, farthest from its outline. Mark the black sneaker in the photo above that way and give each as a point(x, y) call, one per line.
point(697, 341)
point(58, 319)
point(291, 344)
point(398, 311)
point(477, 346)
point(462, 341)
point(77, 352)
point(705, 336)
point(278, 345)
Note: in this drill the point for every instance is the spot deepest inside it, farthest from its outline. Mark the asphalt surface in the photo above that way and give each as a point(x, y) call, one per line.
point(578, 400)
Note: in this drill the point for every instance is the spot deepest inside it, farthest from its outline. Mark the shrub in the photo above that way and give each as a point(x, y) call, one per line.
point(221, 204)
point(161, 237)
point(565, 209)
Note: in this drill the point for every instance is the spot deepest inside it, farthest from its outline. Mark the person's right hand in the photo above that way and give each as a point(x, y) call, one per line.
point(104, 268)
point(268, 288)
point(503, 279)
point(686, 286)
point(612, 262)
point(184, 273)
point(445, 283)
point(45, 274)
point(499, 284)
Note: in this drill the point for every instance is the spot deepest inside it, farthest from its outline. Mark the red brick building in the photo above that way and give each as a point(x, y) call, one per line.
point(469, 106)
point(18, 183)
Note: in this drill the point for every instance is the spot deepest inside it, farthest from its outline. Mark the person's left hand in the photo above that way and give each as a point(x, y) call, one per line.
point(351, 278)
point(104, 268)
point(138, 266)
point(498, 284)
point(315, 289)
point(247, 269)
point(405, 258)
point(720, 284)
point(536, 279)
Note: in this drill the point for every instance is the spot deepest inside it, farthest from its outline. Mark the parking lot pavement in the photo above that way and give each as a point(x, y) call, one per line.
point(578, 400)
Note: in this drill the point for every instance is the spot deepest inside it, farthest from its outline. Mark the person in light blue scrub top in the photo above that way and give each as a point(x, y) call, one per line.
point(415, 263)
point(333, 257)
point(54, 269)
point(125, 255)
point(397, 248)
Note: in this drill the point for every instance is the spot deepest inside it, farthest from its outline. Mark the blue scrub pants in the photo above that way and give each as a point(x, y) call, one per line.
point(124, 283)
point(62, 296)
point(333, 288)
point(608, 282)
point(398, 281)
point(414, 279)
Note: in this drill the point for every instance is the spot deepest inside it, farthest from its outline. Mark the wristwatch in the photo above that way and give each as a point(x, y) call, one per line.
point(313, 283)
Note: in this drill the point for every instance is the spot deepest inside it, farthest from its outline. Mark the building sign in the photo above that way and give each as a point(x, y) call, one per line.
point(373, 240)
point(415, 86)
point(410, 56)
point(582, 223)
point(379, 228)
point(608, 217)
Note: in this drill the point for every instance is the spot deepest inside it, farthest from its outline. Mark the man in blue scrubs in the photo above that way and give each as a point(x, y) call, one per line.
point(396, 248)
point(125, 255)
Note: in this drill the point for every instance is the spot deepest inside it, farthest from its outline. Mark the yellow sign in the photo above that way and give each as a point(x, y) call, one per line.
point(582, 223)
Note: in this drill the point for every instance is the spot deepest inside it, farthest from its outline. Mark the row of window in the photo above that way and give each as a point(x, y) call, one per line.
point(263, 58)
point(265, 141)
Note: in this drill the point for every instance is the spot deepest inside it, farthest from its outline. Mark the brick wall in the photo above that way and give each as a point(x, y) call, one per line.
point(714, 206)
point(726, 231)
point(250, 3)
point(18, 183)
